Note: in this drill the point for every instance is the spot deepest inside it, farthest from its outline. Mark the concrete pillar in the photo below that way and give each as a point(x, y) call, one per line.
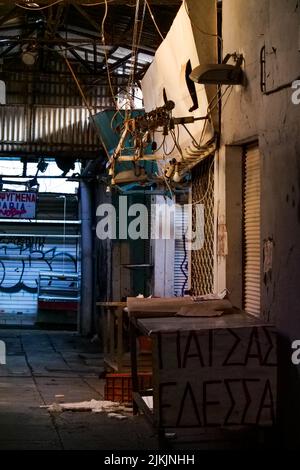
point(85, 323)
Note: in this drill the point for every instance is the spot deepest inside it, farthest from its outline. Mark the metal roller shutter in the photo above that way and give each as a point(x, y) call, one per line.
point(252, 248)
point(24, 255)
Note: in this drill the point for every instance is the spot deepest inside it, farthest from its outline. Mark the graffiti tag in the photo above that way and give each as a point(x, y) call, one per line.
point(22, 261)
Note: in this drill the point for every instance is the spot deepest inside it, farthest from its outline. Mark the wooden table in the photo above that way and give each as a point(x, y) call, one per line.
point(112, 321)
point(210, 375)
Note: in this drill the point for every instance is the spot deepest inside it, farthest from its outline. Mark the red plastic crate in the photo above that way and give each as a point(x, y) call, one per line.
point(118, 387)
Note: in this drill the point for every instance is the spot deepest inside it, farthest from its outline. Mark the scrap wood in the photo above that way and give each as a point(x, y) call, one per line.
point(207, 308)
point(116, 416)
point(161, 306)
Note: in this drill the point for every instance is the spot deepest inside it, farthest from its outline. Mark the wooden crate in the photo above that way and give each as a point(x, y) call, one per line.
point(118, 387)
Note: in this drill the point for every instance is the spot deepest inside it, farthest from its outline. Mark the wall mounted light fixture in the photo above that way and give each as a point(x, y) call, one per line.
point(220, 74)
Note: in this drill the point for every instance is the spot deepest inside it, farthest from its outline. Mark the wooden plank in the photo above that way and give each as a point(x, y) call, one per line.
point(119, 316)
point(134, 369)
point(111, 330)
point(104, 325)
point(137, 399)
point(111, 304)
point(116, 271)
point(157, 305)
point(170, 324)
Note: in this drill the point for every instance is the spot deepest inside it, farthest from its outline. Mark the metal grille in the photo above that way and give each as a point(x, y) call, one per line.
point(180, 256)
point(203, 259)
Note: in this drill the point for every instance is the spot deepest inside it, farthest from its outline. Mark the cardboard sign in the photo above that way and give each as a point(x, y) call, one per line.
point(17, 205)
point(216, 378)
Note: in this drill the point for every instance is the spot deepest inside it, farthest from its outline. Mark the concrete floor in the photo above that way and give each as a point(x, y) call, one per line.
point(42, 364)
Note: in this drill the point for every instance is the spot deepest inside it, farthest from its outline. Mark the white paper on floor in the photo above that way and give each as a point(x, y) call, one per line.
point(114, 410)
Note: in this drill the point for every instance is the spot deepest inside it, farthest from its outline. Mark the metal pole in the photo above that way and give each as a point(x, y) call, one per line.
point(64, 197)
point(86, 305)
point(64, 244)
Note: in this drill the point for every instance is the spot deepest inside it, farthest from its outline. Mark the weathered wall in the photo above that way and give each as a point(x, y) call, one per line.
point(271, 118)
point(168, 72)
point(204, 27)
point(119, 273)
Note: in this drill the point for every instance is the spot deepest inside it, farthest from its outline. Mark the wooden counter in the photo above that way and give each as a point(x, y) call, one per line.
point(112, 329)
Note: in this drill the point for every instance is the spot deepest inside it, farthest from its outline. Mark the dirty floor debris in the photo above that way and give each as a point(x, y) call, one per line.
point(114, 409)
point(44, 365)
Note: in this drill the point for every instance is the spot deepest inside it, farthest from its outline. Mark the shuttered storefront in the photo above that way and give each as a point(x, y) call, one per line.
point(23, 255)
point(251, 228)
point(28, 248)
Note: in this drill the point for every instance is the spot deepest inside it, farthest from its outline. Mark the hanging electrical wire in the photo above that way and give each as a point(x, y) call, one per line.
point(190, 134)
point(201, 30)
point(210, 178)
point(162, 143)
point(166, 151)
point(154, 21)
point(142, 23)
point(162, 175)
point(96, 4)
point(133, 59)
point(138, 46)
point(136, 40)
point(198, 146)
point(85, 101)
point(176, 141)
point(105, 55)
point(37, 8)
point(210, 172)
point(210, 109)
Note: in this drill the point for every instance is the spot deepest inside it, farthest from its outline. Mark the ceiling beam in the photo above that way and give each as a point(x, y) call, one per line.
point(83, 62)
point(8, 15)
point(18, 39)
point(14, 27)
point(11, 46)
point(117, 63)
point(87, 77)
point(88, 18)
point(81, 32)
point(80, 154)
point(142, 71)
point(53, 23)
point(98, 54)
point(5, 3)
point(7, 40)
point(6, 51)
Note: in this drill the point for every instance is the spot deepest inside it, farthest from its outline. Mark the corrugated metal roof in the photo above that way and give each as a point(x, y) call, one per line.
point(45, 129)
point(45, 113)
